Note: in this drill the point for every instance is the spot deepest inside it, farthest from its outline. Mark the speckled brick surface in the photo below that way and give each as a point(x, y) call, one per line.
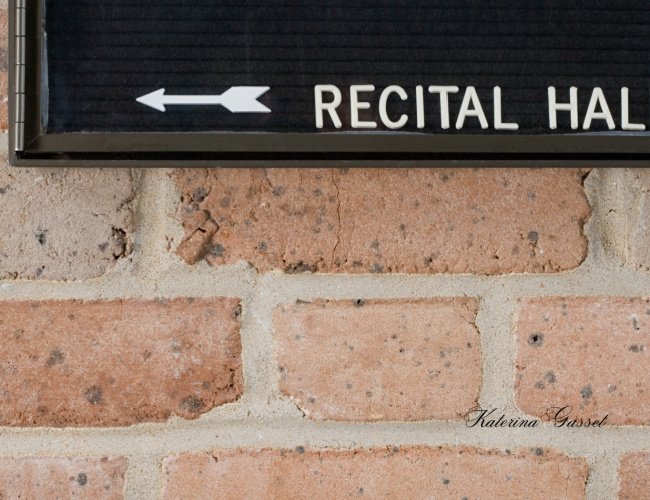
point(380, 360)
point(587, 353)
point(390, 472)
point(486, 221)
point(107, 363)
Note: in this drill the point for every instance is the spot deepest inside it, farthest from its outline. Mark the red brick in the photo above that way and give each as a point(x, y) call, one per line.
point(35, 478)
point(589, 353)
point(107, 363)
point(380, 360)
point(412, 472)
point(483, 221)
point(634, 477)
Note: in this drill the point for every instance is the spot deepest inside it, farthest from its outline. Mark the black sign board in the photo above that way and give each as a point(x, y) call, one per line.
point(336, 82)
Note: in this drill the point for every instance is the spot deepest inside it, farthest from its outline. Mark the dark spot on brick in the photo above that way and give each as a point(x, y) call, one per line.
point(40, 270)
point(199, 194)
point(41, 236)
point(82, 479)
point(359, 303)
point(103, 246)
point(369, 394)
point(444, 177)
point(236, 312)
point(635, 324)
point(262, 246)
point(540, 385)
point(93, 394)
point(533, 236)
point(550, 377)
point(217, 250)
point(349, 386)
point(401, 350)
point(56, 358)
point(278, 191)
point(375, 245)
point(377, 268)
point(361, 491)
point(300, 267)
point(539, 452)
point(119, 235)
point(536, 339)
point(445, 481)
point(586, 392)
point(317, 192)
point(192, 404)
point(636, 348)
point(300, 449)
point(312, 400)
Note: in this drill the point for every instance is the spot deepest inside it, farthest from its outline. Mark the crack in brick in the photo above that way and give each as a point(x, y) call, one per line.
point(338, 216)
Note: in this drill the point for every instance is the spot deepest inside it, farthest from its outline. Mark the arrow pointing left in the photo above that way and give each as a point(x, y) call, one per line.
point(235, 100)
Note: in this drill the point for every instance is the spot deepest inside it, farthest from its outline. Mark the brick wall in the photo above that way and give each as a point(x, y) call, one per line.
point(305, 333)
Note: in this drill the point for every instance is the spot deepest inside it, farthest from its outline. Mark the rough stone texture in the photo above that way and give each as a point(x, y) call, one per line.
point(380, 360)
point(63, 224)
point(108, 363)
point(589, 353)
point(484, 221)
point(634, 477)
point(388, 472)
point(4, 36)
point(58, 478)
point(623, 201)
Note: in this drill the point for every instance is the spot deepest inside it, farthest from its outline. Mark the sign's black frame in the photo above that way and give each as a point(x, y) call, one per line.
point(29, 145)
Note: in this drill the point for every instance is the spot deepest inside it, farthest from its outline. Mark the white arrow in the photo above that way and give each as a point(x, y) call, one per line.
point(235, 100)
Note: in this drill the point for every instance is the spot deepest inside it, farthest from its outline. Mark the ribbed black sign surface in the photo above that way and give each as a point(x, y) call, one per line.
point(416, 70)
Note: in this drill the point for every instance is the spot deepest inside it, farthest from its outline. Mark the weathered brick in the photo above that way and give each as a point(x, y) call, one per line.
point(63, 224)
point(388, 472)
point(589, 353)
point(72, 363)
point(623, 200)
point(34, 478)
point(380, 360)
point(634, 477)
point(385, 220)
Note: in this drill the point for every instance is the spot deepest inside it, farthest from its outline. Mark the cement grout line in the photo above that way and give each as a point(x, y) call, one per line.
point(498, 353)
point(236, 280)
point(143, 480)
point(149, 229)
point(289, 432)
point(602, 483)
